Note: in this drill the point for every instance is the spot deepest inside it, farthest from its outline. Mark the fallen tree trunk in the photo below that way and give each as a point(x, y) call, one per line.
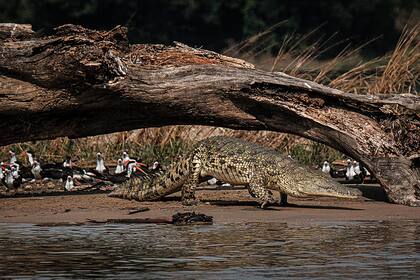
point(78, 82)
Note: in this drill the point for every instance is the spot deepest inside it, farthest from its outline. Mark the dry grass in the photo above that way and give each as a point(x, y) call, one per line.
point(299, 56)
point(164, 144)
point(395, 73)
point(254, 45)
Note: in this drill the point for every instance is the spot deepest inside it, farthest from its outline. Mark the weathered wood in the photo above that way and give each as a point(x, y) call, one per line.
point(12, 31)
point(79, 82)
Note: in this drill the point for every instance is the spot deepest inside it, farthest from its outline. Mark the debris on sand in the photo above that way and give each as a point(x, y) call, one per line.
point(191, 218)
point(138, 210)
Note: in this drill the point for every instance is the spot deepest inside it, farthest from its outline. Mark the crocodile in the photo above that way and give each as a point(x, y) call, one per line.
point(237, 162)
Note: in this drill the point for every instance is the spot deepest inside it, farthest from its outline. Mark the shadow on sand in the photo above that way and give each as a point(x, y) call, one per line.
point(274, 207)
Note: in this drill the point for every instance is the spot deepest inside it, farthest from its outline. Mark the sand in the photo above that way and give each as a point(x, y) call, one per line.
point(226, 206)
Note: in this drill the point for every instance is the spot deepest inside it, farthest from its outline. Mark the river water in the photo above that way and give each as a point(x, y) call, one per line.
point(349, 250)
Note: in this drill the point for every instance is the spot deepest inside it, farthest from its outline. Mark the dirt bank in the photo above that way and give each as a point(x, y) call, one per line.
point(226, 206)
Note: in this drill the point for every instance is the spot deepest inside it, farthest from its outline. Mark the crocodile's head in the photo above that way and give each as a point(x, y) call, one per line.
point(313, 183)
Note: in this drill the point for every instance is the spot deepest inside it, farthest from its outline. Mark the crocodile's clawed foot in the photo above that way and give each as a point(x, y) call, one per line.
point(266, 204)
point(190, 202)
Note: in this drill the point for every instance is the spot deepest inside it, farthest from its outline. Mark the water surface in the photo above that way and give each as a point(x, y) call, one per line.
point(353, 250)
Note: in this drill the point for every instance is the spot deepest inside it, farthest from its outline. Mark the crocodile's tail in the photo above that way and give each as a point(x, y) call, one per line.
point(156, 186)
point(129, 188)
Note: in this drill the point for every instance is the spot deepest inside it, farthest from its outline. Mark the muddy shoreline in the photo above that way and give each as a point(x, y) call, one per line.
point(226, 206)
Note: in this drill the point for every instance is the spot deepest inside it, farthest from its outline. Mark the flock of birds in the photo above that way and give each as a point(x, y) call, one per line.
point(353, 171)
point(13, 173)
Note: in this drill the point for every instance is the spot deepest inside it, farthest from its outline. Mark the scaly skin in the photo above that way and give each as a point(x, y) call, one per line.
point(237, 162)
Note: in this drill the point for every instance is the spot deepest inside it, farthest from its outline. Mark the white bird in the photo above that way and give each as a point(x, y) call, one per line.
point(87, 177)
point(120, 167)
point(9, 179)
point(212, 181)
point(326, 168)
point(155, 165)
point(69, 183)
point(366, 171)
point(356, 167)
point(131, 168)
point(36, 170)
point(350, 170)
point(68, 163)
point(100, 165)
point(125, 158)
point(15, 170)
point(1, 171)
point(30, 158)
point(13, 158)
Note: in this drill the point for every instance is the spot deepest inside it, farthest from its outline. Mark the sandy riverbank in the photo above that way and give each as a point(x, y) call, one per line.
point(226, 206)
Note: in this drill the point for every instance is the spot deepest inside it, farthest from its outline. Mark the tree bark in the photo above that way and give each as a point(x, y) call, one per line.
point(78, 82)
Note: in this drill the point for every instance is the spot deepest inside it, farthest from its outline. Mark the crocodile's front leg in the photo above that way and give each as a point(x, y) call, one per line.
point(188, 189)
point(256, 189)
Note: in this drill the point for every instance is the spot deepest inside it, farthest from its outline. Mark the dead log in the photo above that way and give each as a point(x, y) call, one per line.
point(78, 82)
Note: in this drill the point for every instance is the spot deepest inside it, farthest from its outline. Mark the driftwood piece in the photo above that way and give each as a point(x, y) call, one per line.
point(191, 218)
point(139, 210)
point(78, 82)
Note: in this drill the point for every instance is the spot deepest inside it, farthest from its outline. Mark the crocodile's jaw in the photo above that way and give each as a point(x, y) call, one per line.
point(335, 191)
point(350, 195)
